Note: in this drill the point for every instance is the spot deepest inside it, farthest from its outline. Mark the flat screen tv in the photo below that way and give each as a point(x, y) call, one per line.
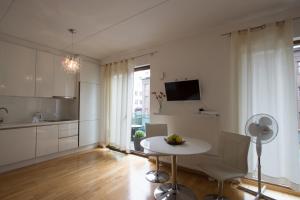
point(182, 90)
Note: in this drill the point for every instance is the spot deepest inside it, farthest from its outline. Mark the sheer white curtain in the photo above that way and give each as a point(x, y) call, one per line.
point(263, 78)
point(117, 104)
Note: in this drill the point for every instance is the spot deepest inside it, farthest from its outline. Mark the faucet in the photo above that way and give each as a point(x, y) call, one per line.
point(6, 110)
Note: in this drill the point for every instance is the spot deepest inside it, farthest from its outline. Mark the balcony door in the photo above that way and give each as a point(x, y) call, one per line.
point(141, 103)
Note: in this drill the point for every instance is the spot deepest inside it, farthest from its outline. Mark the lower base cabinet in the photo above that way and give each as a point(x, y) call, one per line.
point(67, 143)
point(21, 144)
point(17, 145)
point(89, 132)
point(47, 140)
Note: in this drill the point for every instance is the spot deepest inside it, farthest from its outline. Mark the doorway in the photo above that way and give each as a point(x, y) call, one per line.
point(140, 105)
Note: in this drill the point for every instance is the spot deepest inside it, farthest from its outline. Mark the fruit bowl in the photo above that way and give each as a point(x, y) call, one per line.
point(174, 140)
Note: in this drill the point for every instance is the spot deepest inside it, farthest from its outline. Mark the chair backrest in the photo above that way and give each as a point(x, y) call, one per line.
point(153, 130)
point(234, 150)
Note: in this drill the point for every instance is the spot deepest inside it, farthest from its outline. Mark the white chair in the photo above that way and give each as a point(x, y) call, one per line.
point(156, 176)
point(232, 162)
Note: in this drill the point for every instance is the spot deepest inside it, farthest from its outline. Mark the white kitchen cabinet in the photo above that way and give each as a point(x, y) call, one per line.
point(68, 136)
point(68, 143)
point(89, 101)
point(89, 132)
point(70, 85)
point(89, 72)
point(17, 145)
point(64, 83)
point(47, 140)
point(17, 70)
point(89, 109)
point(44, 74)
point(67, 130)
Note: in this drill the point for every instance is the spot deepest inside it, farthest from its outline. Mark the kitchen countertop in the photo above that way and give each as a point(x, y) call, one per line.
point(13, 125)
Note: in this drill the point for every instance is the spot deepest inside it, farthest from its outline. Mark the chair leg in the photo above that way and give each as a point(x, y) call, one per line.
point(221, 191)
point(157, 176)
point(218, 196)
point(157, 163)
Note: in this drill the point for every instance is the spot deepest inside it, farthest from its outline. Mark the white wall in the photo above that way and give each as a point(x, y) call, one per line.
point(297, 28)
point(205, 58)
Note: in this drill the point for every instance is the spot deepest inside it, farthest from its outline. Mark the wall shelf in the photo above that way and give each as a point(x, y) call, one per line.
point(203, 113)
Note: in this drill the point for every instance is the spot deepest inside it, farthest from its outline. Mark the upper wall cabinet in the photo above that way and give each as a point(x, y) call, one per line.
point(89, 72)
point(64, 83)
point(44, 74)
point(17, 70)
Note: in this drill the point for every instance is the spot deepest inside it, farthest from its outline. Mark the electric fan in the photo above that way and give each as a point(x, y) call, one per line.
point(262, 128)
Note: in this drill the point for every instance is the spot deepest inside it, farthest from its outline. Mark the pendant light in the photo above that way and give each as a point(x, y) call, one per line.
point(71, 63)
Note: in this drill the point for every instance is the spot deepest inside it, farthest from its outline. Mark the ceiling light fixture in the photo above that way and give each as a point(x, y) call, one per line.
point(71, 63)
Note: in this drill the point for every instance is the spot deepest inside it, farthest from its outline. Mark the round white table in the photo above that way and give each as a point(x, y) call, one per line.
point(173, 190)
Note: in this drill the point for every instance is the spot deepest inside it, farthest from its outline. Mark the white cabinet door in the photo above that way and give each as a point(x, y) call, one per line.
point(89, 132)
point(68, 143)
point(17, 145)
point(89, 101)
point(64, 83)
point(47, 140)
point(70, 85)
point(59, 77)
point(17, 70)
point(89, 72)
point(44, 74)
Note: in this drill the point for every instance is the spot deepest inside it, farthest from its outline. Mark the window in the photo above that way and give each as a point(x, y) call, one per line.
point(141, 100)
point(297, 65)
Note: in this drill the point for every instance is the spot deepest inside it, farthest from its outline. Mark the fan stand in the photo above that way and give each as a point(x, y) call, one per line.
point(259, 194)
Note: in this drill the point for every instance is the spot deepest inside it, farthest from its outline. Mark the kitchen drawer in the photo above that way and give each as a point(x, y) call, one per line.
point(68, 133)
point(68, 143)
point(67, 130)
point(68, 126)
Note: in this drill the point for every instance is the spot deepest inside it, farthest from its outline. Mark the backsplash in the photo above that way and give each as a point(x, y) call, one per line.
point(22, 109)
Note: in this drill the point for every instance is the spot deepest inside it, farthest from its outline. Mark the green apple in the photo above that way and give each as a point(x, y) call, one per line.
point(174, 138)
point(169, 139)
point(178, 139)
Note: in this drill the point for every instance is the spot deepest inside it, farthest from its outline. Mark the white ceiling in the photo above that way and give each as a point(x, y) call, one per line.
point(106, 27)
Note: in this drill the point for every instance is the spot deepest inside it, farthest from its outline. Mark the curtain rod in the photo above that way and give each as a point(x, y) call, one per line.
point(131, 58)
point(256, 27)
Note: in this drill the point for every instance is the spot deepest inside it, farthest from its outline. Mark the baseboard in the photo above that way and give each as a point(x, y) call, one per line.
point(271, 186)
point(186, 169)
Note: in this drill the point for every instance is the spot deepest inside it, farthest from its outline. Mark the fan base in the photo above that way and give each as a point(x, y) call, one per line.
point(254, 193)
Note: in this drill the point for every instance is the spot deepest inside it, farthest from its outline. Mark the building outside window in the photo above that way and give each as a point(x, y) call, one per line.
point(141, 99)
point(297, 65)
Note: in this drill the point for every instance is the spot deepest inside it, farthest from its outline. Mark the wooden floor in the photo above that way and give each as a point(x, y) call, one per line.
point(97, 174)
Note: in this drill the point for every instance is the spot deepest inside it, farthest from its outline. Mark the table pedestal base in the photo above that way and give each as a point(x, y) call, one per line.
point(214, 197)
point(169, 192)
point(157, 176)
